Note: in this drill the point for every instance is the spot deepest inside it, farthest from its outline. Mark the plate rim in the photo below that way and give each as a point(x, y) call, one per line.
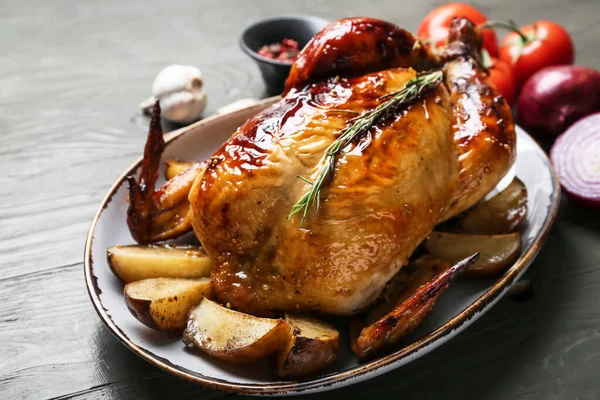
point(334, 379)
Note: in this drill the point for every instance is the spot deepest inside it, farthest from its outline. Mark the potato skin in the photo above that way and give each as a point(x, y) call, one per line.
point(140, 308)
point(304, 356)
point(163, 303)
point(496, 252)
point(493, 270)
point(503, 213)
point(312, 346)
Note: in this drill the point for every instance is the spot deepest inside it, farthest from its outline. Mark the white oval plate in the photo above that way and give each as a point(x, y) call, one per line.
point(459, 307)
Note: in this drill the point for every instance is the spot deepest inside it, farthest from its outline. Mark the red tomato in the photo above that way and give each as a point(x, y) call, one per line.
point(547, 44)
point(436, 24)
point(503, 78)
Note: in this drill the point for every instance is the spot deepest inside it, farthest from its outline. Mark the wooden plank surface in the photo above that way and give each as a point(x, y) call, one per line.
point(71, 76)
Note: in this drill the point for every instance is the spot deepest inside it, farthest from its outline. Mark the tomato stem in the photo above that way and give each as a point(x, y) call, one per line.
point(510, 25)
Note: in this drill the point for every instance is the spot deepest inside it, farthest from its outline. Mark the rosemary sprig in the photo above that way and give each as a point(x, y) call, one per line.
point(413, 89)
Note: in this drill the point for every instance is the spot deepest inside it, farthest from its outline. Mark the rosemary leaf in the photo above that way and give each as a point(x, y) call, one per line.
point(361, 124)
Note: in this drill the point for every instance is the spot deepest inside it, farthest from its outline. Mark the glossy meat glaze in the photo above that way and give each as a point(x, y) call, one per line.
point(435, 158)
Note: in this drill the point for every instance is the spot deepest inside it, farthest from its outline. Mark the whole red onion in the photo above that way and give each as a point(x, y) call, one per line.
point(555, 97)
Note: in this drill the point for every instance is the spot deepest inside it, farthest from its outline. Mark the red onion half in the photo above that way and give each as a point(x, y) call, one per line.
point(576, 157)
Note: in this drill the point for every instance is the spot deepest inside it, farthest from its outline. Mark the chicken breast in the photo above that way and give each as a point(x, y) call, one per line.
point(389, 188)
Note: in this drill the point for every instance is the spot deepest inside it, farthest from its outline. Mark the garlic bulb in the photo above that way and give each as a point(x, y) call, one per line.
point(180, 90)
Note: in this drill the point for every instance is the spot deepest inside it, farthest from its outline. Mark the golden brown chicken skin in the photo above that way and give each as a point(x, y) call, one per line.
point(357, 46)
point(389, 188)
point(482, 124)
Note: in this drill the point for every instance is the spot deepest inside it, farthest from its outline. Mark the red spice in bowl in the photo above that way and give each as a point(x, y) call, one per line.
point(287, 51)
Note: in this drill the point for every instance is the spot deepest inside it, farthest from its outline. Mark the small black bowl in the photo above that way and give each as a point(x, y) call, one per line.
point(274, 30)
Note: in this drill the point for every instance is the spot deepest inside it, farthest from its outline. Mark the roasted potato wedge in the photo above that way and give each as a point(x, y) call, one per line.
point(496, 252)
point(163, 303)
point(233, 336)
point(408, 315)
point(176, 167)
point(175, 191)
point(416, 274)
point(312, 346)
point(134, 263)
point(503, 213)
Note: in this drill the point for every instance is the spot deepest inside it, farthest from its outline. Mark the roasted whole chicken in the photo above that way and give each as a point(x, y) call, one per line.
point(425, 162)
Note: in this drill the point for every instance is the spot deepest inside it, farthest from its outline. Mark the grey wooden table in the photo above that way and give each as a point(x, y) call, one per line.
point(71, 76)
